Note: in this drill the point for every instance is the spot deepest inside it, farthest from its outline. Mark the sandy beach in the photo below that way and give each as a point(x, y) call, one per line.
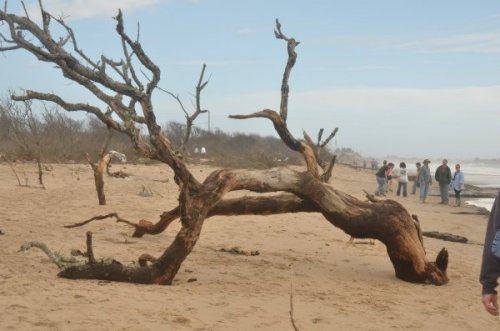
point(336, 286)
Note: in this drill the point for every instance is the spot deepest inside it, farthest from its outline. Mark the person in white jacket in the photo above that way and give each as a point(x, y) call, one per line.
point(457, 182)
point(402, 176)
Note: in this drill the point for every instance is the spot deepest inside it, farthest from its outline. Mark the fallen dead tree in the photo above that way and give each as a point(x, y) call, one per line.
point(129, 105)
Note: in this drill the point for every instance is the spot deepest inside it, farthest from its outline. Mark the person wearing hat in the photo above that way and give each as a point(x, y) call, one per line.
point(425, 180)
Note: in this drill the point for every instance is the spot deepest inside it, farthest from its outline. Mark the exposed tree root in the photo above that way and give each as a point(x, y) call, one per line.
point(61, 261)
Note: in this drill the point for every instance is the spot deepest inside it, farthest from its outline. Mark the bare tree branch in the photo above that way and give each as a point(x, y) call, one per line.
point(292, 57)
point(190, 118)
point(330, 137)
point(116, 85)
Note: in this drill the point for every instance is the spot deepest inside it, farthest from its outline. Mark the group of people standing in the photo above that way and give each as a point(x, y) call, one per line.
point(385, 177)
point(444, 178)
point(490, 266)
point(423, 180)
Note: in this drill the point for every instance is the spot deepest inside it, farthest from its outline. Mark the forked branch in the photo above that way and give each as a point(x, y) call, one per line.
point(128, 105)
point(279, 120)
point(191, 118)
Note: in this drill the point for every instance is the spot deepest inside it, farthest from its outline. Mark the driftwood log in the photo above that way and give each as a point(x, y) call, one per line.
point(129, 105)
point(445, 236)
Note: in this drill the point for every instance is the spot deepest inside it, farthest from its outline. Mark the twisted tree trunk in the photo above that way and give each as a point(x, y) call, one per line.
point(386, 221)
point(129, 107)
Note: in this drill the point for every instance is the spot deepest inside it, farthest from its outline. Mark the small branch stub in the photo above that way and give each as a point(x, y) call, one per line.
point(90, 251)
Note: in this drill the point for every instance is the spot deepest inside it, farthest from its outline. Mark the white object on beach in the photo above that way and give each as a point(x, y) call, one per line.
point(119, 156)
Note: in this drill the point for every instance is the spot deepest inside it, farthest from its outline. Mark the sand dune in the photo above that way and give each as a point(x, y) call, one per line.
point(335, 286)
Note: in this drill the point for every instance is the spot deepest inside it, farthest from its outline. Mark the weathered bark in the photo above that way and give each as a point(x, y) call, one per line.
point(387, 221)
point(113, 272)
point(115, 174)
point(384, 220)
point(129, 105)
point(164, 269)
point(90, 250)
point(316, 148)
point(249, 205)
point(98, 170)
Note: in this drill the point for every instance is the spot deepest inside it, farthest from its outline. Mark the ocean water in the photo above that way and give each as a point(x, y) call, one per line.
point(480, 174)
point(486, 176)
point(483, 203)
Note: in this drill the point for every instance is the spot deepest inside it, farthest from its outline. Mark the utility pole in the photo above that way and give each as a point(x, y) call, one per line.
point(208, 111)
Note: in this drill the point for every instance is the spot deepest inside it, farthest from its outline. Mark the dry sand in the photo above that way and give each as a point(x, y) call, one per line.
point(335, 286)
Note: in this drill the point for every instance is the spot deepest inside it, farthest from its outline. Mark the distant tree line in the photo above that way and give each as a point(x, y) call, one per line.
point(26, 132)
point(58, 138)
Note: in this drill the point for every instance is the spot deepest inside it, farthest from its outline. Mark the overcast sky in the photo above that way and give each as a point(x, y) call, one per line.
point(409, 78)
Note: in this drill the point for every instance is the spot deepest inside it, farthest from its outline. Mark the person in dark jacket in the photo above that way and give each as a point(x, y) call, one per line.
point(490, 268)
point(382, 179)
point(443, 177)
point(415, 182)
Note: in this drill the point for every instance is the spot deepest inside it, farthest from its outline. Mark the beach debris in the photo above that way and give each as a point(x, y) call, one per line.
point(371, 197)
point(114, 155)
point(351, 242)
point(166, 180)
point(238, 251)
point(146, 192)
point(476, 210)
point(59, 259)
point(445, 236)
point(77, 258)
